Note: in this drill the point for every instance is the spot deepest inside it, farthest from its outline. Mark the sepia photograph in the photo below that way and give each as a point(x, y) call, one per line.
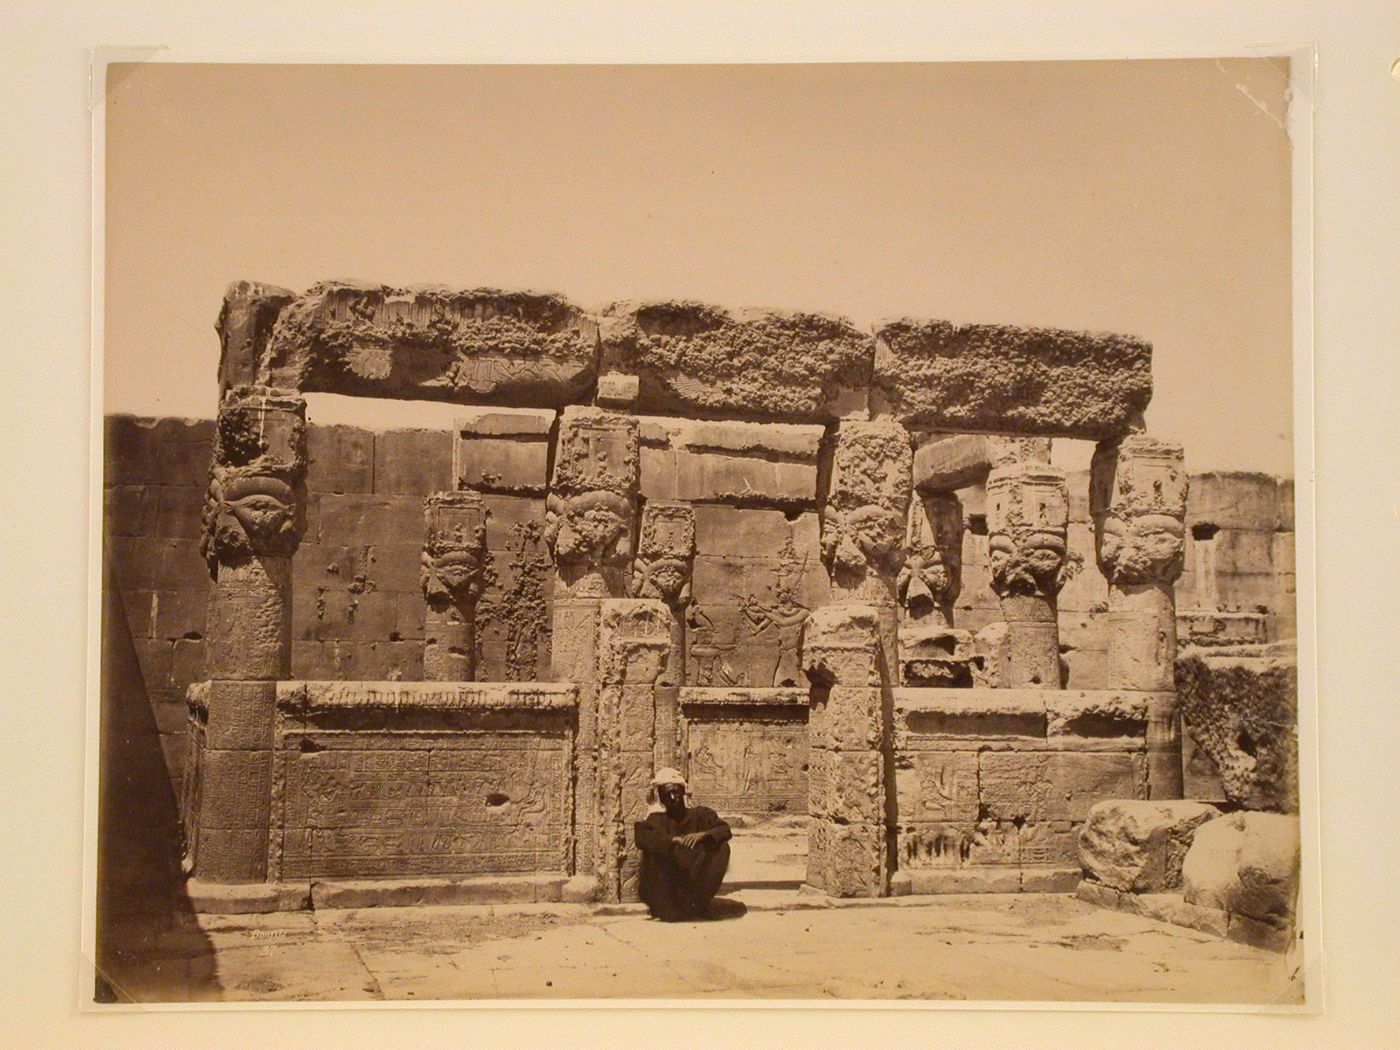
point(771, 532)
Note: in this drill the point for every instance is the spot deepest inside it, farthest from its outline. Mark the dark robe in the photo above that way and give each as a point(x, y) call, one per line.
point(678, 882)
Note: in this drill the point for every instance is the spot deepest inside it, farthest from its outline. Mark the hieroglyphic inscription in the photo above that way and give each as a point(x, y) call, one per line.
point(448, 804)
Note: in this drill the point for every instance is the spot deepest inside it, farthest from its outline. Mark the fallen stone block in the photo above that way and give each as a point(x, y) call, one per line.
point(1139, 846)
point(1246, 864)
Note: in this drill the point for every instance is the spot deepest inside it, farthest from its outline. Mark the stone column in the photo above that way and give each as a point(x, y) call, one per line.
point(254, 517)
point(931, 651)
point(665, 558)
point(849, 651)
point(453, 575)
point(864, 518)
point(1138, 502)
point(1027, 551)
point(589, 519)
point(848, 743)
point(634, 643)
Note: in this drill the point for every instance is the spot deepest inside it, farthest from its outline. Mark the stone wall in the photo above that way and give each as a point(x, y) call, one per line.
point(358, 609)
point(993, 787)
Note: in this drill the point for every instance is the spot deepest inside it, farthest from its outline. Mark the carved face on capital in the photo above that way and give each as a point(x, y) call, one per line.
point(593, 527)
point(453, 574)
point(665, 578)
point(1148, 548)
point(251, 514)
point(1037, 564)
point(925, 581)
point(868, 537)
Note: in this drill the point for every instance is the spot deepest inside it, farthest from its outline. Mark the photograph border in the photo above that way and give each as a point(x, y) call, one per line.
point(1303, 71)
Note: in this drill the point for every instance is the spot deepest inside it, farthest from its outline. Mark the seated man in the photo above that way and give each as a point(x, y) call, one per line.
point(685, 852)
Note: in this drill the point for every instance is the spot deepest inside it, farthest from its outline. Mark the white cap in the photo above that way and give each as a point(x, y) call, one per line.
point(668, 776)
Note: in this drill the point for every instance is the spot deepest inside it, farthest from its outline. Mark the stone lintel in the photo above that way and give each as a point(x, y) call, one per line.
point(706, 696)
point(706, 361)
point(1067, 703)
point(947, 462)
point(1003, 379)
point(428, 696)
point(521, 425)
point(468, 346)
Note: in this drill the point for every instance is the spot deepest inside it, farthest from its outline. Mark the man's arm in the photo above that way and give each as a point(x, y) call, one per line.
point(652, 836)
point(715, 830)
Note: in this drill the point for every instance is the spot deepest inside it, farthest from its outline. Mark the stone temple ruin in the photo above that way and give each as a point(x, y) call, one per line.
point(823, 570)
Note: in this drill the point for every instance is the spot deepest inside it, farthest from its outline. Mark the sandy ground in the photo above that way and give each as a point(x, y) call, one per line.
point(772, 943)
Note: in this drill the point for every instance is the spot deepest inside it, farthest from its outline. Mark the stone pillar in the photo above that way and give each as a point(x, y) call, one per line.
point(453, 575)
point(864, 518)
point(1138, 502)
point(665, 558)
point(848, 851)
point(931, 651)
point(589, 519)
point(634, 643)
point(254, 517)
point(1027, 527)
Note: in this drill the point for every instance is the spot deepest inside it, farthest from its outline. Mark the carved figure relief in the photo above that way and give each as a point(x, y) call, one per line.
point(521, 608)
point(591, 530)
point(706, 651)
point(782, 618)
point(931, 577)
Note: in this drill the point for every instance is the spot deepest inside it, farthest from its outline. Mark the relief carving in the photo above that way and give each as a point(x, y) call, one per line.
point(1138, 501)
point(863, 521)
point(455, 562)
point(707, 653)
point(591, 506)
point(256, 501)
point(1027, 523)
point(521, 608)
point(665, 553)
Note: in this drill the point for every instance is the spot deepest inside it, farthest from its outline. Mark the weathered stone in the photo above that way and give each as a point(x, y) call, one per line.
point(1139, 846)
point(339, 459)
point(847, 860)
point(412, 462)
point(989, 378)
point(1246, 864)
point(256, 502)
point(1055, 785)
point(937, 786)
point(1237, 500)
point(846, 786)
point(1242, 709)
point(693, 359)
point(946, 462)
point(245, 324)
point(455, 570)
point(434, 344)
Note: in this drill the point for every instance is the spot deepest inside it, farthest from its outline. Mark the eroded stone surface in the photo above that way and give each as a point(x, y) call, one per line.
point(434, 344)
point(695, 359)
point(1002, 378)
point(1246, 864)
point(1241, 705)
point(1139, 846)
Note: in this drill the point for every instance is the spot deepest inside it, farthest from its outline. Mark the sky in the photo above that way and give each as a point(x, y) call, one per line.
point(1148, 197)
